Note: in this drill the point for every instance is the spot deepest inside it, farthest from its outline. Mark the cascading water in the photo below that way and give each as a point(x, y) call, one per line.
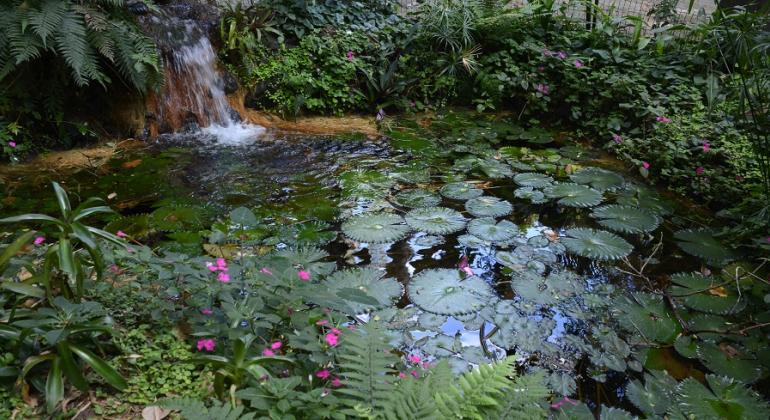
point(193, 97)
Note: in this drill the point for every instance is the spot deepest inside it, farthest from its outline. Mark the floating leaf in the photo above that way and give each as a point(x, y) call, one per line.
point(460, 191)
point(615, 413)
point(489, 230)
point(445, 292)
point(531, 194)
point(701, 243)
point(723, 399)
point(729, 360)
point(521, 333)
point(597, 178)
point(488, 207)
point(647, 315)
point(533, 179)
point(646, 199)
point(436, 220)
point(574, 195)
point(596, 244)
point(369, 184)
point(697, 292)
point(557, 287)
point(656, 395)
point(417, 198)
point(309, 259)
point(494, 169)
point(177, 218)
point(626, 219)
point(375, 228)
point(358, 284)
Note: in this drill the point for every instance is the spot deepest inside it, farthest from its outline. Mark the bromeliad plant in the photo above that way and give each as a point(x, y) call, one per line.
point(66, 262)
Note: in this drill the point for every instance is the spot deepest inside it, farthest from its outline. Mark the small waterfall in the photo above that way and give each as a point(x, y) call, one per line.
point(193, 97)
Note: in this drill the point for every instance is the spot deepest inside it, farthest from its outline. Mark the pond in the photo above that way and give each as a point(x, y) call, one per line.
point(472, 237)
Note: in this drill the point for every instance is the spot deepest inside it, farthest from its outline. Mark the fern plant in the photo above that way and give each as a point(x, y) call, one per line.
point(92, 38)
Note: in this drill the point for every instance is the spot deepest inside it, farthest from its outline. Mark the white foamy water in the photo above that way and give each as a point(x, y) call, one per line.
point(235, 134)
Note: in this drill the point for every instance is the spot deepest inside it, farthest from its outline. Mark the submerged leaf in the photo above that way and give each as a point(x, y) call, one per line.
point(375, 228)
point(626, 219)
point(436, 220)
point(596, 244)
point(445, 292)
point(488, 207)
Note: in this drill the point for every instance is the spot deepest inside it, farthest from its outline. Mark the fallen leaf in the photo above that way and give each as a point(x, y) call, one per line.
point(112, 195)
point(728, 350)
point(131, 164)
point(154, 413)
point(718, 291)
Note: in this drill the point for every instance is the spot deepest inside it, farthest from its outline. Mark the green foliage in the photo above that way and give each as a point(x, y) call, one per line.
point(375, 228)
point(192, 409)
point(596, 244)
point(445, 292)
point(436, 220)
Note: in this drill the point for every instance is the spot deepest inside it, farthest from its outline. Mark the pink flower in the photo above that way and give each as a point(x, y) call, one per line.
point(276, 345)
point(221, 264)
point(207, 311)
point(268, 353)
point(331, 339)
point(463, 265)
point(699, 170)
point(425, 365)
point(350, 55)
point(414, 359)
point(323, 374)
point(561, 55)
point(115, 269)
point(264, 270)
point(39, 240)
point(121, 234)
point(321, 322)
point(578, 64)
point(415, 373)
point(560, 403)
point(706, 146)
point(645, 165)
point(547, 53)
point(401, 375)
point(212, 267)
point(303, 275)
point(223, 277)
point(616, 138)
point(767, 239)
point(662, 119)
point(207, 344)
point(544, 89)
point(541, 68)
point(336, 331)
point(336, 382)
point(12, 144)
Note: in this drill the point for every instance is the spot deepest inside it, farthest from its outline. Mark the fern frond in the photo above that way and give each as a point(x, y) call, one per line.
point(413, 399)
point(45, 20)
point(525, 398)
point(72, 46)
point(477, 394)
point(192, 409)
point(366, 364)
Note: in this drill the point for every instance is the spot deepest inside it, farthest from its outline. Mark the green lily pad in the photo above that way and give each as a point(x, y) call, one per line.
point(445, 292)
point(574, 195)
point(706, 294)
point(557, 287)
point(533, 179)
point(521, 333)
point(725, 398)
point(599, 179)
point(364, 289)
point(494, 169)
point(489, 230)
point(375, 228)
point(596, 244)
point(531, 194)
point(646, 314)
point(626, 219)
point(656, 395)
point(436, 220)
point(418, 198)
point(701, 243)
point(644, 198)
point(722, 361)
point(460, 191)
point(368, 184)
point(488, 207)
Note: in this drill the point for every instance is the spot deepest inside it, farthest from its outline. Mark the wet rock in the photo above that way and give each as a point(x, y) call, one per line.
point(137, 7)
point(252, 97)
point(230, 82)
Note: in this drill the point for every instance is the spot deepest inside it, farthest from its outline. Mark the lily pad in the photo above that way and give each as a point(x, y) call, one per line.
point(597, 178)
point(656, 395)
point(701, 243)
point(488, 207)
point(375, 228)
point(646, 315)
point(531, 194)
point(494, 169)
point(644, 198)
point(555, 288)
point(574, 195)
point(418, 198)
point(725, 398)
point(369, 184)
point(596, 244)
point(460, 191)
point(729, 360)
point(626, 219)
point(533, 179)
point(364, 289)
point(706, 294)
point(523, 334)
point(436, 220)
point(445, 292)
point(489, 230)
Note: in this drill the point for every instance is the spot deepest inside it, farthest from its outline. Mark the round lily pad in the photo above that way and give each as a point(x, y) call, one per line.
point(418, 197)
point(626, 219)
point(531, 194)
point(488, 229)
point(574, 195)
point(488, 207)
point(597, 178)
point(445, 292)
point(596, 244)
point(364, 289)
point(375, 228)
point(436, 220)
point(533, 179)
point(701, 243)
point(706, 294)
point(460, 191)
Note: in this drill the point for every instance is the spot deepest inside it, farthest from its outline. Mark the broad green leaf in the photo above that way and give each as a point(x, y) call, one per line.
point(100, 366)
